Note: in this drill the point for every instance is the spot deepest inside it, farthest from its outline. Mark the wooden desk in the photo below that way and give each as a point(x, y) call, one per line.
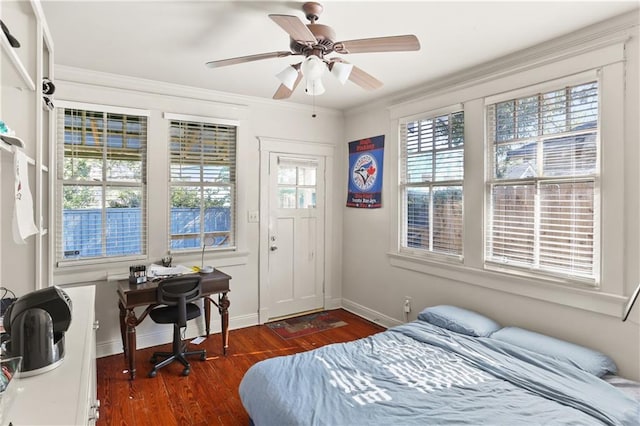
point(132, 295)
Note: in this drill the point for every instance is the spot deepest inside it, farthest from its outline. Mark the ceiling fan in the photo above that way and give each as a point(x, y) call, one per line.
point(315, 41)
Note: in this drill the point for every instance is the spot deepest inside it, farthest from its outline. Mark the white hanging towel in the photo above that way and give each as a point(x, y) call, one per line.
point(22, 224)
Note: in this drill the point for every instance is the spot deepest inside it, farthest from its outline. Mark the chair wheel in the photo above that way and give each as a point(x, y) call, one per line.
point(203, 357)
point(186, 371)
point(153, 373)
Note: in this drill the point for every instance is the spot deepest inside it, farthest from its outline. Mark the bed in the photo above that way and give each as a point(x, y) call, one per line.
point(450, 366)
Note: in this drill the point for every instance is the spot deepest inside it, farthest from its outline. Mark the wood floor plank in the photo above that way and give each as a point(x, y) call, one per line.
point(209, 395)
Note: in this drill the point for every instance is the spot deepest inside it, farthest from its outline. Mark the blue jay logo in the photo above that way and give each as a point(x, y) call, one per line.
point(365, 172)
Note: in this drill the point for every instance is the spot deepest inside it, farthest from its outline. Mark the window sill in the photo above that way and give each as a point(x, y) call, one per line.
point(534, 287)
point(216, 258)
point(120, 270)
point(93, 262)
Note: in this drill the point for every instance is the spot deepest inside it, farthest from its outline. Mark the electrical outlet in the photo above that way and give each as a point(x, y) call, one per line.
point(407, 304)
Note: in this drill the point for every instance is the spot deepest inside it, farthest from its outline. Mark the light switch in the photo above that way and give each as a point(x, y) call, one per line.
point(254, 216)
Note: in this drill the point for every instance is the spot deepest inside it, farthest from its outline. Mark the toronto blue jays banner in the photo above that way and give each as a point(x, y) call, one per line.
point(365, 173)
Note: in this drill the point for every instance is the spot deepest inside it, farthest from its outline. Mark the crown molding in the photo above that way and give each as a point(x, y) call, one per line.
point(606, 33)
point(83, 76)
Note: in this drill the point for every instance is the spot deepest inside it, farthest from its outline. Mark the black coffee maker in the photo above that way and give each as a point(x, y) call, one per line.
point(36, 324)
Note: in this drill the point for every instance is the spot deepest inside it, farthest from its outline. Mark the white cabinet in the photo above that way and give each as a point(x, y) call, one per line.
point(66, 395)
point(26, 267)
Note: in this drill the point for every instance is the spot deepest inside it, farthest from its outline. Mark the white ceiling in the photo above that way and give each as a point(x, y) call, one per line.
point(170, 41)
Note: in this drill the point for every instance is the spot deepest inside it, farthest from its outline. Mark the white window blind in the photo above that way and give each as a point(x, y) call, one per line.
point(101, 187)
point(432, 172)
point(203, 178)
point(542, 199)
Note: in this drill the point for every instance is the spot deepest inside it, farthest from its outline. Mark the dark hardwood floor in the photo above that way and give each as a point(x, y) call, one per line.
point(209, 395)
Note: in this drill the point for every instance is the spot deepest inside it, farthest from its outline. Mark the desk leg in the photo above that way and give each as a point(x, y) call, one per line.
point(132, 321)
point(123, 328)
point(207, 314)
point(223, 308)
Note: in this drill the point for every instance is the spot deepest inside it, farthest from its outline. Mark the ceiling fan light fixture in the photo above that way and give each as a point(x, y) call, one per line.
point(314, 42)
point(314, 87)
point(288, 76)
point(312, 67)
point(341, 71)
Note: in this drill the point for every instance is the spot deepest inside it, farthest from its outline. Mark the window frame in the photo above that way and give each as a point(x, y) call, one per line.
point(60, 182)
point(231, 241)
point(490, 264)
point(404, 186)
point(607, 62)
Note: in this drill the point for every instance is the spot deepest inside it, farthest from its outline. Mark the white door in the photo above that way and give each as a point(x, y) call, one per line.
point(295, 276)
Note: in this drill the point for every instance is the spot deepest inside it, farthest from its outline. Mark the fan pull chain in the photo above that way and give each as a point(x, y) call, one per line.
point(313, 115)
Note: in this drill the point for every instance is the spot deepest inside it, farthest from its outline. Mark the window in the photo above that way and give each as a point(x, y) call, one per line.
point(203, 177)
point(101, 184)
point(296, 183)
point(432, 172)
point(542, 198)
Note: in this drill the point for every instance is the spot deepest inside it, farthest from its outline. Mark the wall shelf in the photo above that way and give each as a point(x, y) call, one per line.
point(28, 266)
point(18, 66)
point(12, 140)
point(6, 146)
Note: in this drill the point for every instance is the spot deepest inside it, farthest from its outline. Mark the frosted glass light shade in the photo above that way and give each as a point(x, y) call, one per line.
point(288, 76)
point(312, 67)
point(341, 71)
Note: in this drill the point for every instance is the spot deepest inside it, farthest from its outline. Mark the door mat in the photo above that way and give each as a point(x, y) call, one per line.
point(305, 325)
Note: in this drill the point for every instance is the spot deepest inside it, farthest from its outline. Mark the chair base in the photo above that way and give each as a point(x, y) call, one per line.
point(179, 354)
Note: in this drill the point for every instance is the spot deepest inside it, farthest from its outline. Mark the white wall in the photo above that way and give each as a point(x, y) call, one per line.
point(272, 119)
point(376, 280)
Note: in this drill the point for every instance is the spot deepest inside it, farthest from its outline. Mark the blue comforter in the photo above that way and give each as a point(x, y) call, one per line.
point(418, 373)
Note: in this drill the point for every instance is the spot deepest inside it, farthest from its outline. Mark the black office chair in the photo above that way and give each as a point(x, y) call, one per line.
point(177, 294)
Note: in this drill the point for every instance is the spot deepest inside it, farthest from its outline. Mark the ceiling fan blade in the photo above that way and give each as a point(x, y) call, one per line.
point(283, 91)
point(295, 28)
point(364, 80)
point(401, 43)
point(241, 59)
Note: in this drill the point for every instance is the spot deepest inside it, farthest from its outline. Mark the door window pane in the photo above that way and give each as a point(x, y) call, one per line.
point(296, 183)
point(306, 198)
point(287, 175)
point(287, 198)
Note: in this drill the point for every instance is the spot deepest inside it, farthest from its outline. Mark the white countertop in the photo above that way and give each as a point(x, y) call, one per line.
point(61, 396)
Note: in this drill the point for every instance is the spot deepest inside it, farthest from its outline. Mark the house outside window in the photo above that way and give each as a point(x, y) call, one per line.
point(101, 185)
point(431, 184)
point(542, 195)
point(202, 184)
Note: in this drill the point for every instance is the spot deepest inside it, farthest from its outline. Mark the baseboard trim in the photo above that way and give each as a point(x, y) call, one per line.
point(334, 303)
point(114, 347)
point(369, 314)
